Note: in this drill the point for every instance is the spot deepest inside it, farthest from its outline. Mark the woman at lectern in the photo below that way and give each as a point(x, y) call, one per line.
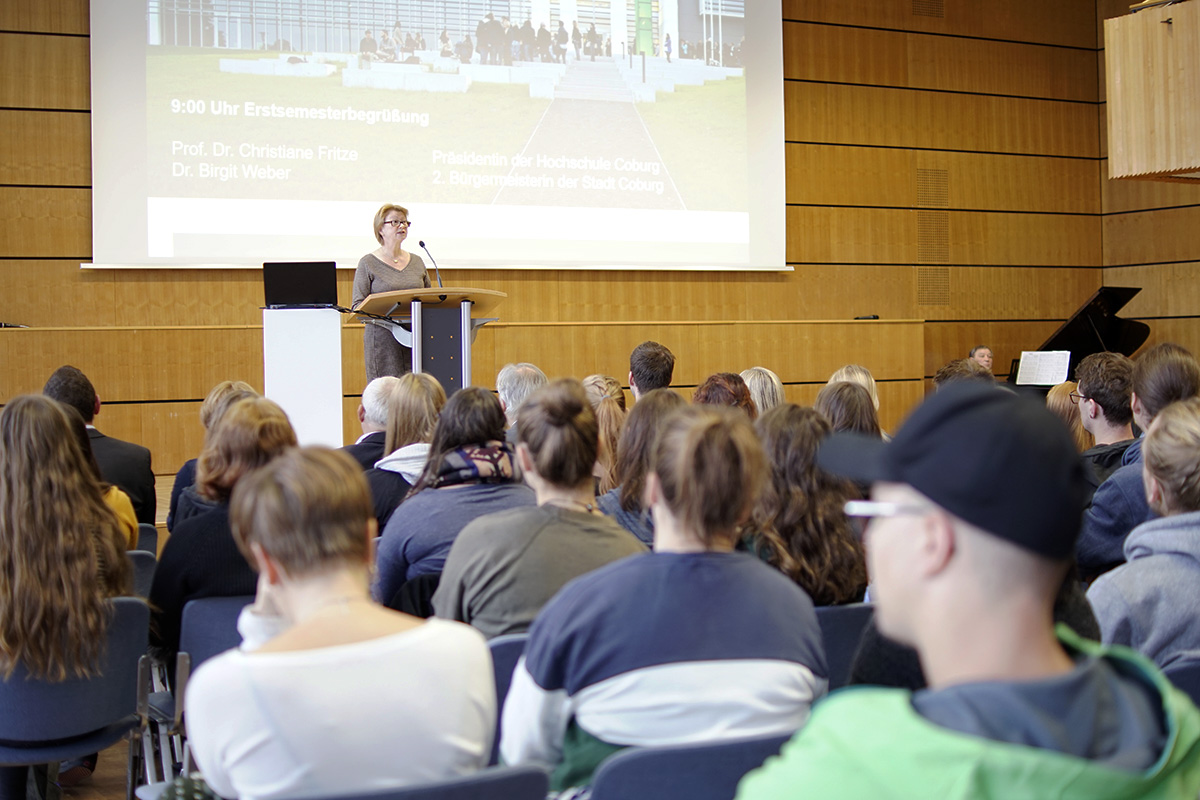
point(388, 268)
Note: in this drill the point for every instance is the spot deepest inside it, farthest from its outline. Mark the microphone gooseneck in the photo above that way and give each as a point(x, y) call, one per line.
point(437, 272)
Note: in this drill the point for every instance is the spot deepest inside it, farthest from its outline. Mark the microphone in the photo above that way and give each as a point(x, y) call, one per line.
point(436, 271)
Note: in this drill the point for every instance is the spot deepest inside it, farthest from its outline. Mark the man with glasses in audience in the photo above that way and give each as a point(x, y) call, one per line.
point(1105, 385)
point(975, 509)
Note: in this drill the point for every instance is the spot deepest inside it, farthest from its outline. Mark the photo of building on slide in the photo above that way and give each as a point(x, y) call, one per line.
point(636, 104)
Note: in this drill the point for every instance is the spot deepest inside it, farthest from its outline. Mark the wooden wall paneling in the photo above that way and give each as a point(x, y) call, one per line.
point(896, 398)
point(838, 175)
point(172, 431)
point(354, 368)
point(894, 58)
point(1102, 113)
point(1151, 237)
point(351, 427)
point(999, 293)
point(1124, 194)
point(45, 148)
point(890, 236)
point(55, 293)
point(533, 295)
point(45, 16)
point(1184, 332)
point(866, 115)
point(44, 71)
point(188, 296)
point(37, 222)
point(946, 341)
point(129, 364)
point(1069, 24)
point(1168, 290)
point(835, 291)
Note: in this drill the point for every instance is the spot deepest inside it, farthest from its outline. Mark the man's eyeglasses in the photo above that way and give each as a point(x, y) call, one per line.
point(397, 222)
point(873, 508)
point(1076, 397)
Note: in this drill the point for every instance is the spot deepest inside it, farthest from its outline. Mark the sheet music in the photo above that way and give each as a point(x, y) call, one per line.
point(1043, 368)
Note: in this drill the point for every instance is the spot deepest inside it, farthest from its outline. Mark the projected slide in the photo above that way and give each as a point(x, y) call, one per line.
point(519, 133)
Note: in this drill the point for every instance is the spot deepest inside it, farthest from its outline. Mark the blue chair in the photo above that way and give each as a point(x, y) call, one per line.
point(148, 538)
point(682, 772)
point(44, 723)
point(209, 626)
point(842, 628)
point(495, 783)
point(144, 565)
point(1186, 677)
point(506, 652)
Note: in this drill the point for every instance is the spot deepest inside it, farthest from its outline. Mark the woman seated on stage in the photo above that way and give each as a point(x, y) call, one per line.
point(625, 503)
point(330, 694)
point(200, 558)
point(469, 473)
point(693, 643)
point(413, 407)
point(504, 567)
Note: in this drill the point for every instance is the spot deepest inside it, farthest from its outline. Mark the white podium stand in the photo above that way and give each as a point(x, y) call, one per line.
point(302, 370)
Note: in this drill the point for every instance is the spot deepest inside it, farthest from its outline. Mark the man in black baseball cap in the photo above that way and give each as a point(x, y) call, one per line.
point(975, 507)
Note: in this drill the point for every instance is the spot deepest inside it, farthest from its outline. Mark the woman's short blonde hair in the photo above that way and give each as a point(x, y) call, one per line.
point(381, 215)
point(855, 373)
point(309, 509)
point(220, 397)
point(765, 388)
point(1171, 453)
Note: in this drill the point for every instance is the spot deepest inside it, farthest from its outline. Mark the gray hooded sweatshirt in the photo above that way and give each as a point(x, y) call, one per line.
point(1152, 602)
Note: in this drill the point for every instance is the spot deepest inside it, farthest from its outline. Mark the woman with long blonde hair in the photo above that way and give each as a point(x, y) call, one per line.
point(607, 397)
point(414, 402)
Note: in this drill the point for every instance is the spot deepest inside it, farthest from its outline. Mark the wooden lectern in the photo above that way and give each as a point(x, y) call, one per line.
point(442, 324)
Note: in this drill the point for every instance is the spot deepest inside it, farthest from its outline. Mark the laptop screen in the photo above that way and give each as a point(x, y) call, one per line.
point(299, 283)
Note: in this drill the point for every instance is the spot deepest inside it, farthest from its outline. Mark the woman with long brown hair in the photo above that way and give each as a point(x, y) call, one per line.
point(61, 556)
point(608, 401)
point(200, 559)
point(798, 524)
point(414, 402)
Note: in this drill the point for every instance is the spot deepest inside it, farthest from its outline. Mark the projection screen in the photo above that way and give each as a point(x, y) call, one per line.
point(232, 132)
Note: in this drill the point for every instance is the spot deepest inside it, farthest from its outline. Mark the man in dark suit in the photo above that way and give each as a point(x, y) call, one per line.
point(373, 416)
point(124, 464)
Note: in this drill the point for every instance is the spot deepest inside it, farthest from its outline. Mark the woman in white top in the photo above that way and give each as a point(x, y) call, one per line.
point(331, 693)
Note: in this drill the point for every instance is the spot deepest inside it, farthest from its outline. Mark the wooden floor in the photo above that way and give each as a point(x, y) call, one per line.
point(108, 781)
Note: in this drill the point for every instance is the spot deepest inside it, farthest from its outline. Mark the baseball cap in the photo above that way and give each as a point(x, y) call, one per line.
point(997, 460)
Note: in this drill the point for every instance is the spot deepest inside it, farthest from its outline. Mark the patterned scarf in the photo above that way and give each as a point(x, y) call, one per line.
point(489, 463)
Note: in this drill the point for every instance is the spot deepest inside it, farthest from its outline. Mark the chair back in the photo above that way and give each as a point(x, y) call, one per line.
point(209, 626)
point(38, 711)
point(1186, 677)
point(506, 652)
point(841, 629)
point(143, 571)
point(148, 538)
point(682, 772)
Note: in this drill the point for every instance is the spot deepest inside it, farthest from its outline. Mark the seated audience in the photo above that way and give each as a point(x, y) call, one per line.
point(608, 401)
point(1150, 602)
point(413, 404)
point(514, 384)
point(848, 407)
point(694, 643)
point(62, 556)
point(329, 694)
point(116, 500)
point(470, 473)
point(123, 464)
point(765, 388)
point(798, 525)
point(504, 567)
point(1105, 383)
point(964, 369)
point(968, 576)
point(1062, 405)
point(651, 366)
point(373, 418)
point(200, 558)
point(981, 354)
point(1162, 375)
point(219, 398)
point(726, 389)
point(625, 503)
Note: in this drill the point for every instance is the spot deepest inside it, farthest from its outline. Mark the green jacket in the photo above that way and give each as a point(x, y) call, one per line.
point(870, 743)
